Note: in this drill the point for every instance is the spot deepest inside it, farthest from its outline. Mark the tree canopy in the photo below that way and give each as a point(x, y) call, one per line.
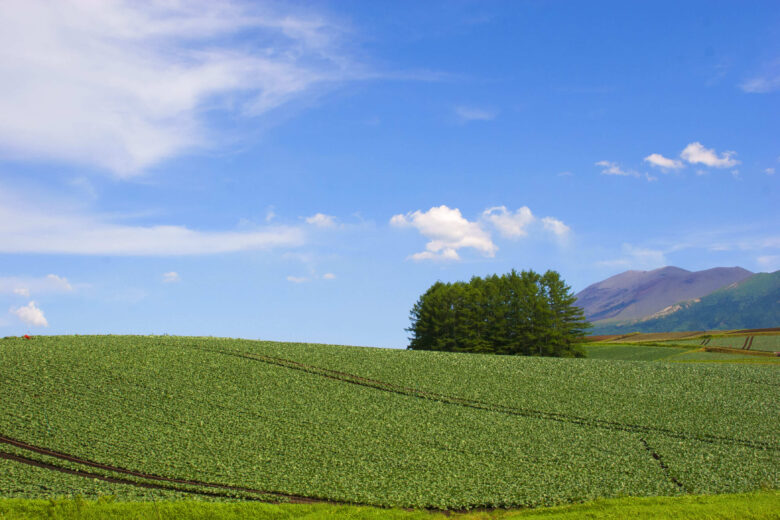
point(517, 313)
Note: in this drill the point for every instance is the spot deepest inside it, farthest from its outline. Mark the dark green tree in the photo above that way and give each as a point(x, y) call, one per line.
point(521, 313)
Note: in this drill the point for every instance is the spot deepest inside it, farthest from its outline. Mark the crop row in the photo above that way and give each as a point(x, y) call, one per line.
point(159, 406)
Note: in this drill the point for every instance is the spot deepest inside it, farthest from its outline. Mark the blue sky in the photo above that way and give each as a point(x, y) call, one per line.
point(304, 171)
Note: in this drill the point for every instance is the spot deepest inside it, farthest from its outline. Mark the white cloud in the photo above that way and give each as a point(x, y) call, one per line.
point(322, 220)
point(297, 279)
point(736, 175)
point(30, 314)
point(26, 285)
point(611, 168)
point(658, 160)
point(45, 229)
point(448, 231)
point(767, 81)
point(769, 171)
point(769, 262)
point(508, 224)
point(650, 178)
point(171, 277)
point(637, 258)
point(556, 227)
point(466, 114)
point(328, 276)
point(696, 153)
point(123, 85)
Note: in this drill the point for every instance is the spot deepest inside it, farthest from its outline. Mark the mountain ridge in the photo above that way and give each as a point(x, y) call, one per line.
point(632, 295)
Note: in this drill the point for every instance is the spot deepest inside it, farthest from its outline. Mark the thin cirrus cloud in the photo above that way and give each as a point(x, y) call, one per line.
point(612, 168)
point(28, 229)
point(24, 286)
point(466, 114)
point(448, 231)
point(121, 86)
point(30, 314)
point(171, 277)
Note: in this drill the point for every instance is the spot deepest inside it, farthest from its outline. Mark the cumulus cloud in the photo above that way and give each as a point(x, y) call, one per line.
point(45, 229)
point(696, 153)
point(466, 114)
point(447, 231)
point(328, 276)
point(171, 277)
point(322, 220)
point(556, 227)
point(659, 161)
point(30, 314)
point(26, 285)
point(123, 85)
point(508, 224)
point(611, 168)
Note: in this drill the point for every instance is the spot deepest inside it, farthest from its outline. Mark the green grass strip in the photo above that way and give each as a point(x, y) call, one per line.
point(757, 505)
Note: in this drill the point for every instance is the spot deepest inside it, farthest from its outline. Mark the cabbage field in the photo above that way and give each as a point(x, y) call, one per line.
point(150, 417)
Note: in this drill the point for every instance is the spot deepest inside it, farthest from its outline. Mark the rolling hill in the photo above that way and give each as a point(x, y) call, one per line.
point(144, 418)
point(637, 294)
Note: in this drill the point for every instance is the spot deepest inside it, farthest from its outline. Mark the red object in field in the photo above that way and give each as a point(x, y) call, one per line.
point(26, 336)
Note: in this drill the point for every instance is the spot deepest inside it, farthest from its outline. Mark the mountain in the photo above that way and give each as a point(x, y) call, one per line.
point(637, 294)
point(749, 304)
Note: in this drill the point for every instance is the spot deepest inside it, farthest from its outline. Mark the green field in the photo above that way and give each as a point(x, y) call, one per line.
point(761, 342)
point(674, 352)
point(233, 419)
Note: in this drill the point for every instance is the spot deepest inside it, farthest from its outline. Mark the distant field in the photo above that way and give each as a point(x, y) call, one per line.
point(760, 342)
point(632, 352)
point(145, 418)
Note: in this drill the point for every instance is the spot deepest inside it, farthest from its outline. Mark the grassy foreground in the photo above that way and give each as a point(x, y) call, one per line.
point(757, 505)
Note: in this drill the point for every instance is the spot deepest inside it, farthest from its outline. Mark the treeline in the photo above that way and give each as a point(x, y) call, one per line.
point(521, 313)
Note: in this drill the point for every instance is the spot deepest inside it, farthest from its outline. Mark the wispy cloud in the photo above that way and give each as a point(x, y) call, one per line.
point(612, 168)
point(41, 228)
point(26, 285)
point(321, 220)
point(297, 279)
point(767, 81)
point(634, 257)
point(466, 114)
point(696, 153)
point(124, 85)
point(171, 277)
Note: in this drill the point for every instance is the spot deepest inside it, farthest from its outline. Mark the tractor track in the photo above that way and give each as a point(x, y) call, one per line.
point(481, 405)
point(226, 488)
point(661, 463)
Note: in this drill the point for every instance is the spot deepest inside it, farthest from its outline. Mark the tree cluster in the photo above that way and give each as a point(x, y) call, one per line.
point(521, 313)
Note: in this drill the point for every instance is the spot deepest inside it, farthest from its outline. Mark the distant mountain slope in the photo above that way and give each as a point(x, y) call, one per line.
point(751, 303)
point(637, 294)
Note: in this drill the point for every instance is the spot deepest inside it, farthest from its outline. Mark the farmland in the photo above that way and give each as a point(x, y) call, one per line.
point(145, 418)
